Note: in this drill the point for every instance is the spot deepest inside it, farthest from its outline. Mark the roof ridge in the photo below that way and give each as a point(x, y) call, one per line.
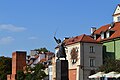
point(82, 37)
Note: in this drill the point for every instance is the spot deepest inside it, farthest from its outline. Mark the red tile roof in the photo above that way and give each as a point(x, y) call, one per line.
point(43, 60)
point(102, 29)
point(81, 38)
point(49, 53)
point(116, 29)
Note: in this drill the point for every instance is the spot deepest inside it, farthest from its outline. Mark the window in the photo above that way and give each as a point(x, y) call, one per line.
point(92, 62)
point(118, 18)
point(107, 34)
point(92, 50)
point(102, 36)
point(95, 37)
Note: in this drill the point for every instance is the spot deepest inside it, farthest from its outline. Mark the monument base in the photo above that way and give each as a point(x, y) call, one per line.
point(62, 70)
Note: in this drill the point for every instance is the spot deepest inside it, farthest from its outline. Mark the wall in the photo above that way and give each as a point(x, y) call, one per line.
point(86, 55)
point(109, 46)
point(117, 49)
point(97, 54)
point(14, 63)
point(69, 48)
point(53, 69)
point(109, 49)
point(72, 74)
point(112, 49)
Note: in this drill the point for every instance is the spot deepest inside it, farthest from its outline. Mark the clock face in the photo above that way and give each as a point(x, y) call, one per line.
point(74, 55)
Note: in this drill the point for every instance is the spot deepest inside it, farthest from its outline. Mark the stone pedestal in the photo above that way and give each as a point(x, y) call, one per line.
point(62, 70)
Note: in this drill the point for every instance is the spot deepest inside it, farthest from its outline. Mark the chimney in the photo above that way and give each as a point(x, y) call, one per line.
point(93, 29)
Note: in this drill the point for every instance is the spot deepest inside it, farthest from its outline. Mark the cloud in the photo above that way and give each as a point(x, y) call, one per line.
point(10, 27)
point(6, 40)
point(32, 38)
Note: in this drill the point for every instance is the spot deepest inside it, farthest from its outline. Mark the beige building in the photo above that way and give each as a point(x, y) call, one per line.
point(84, 55)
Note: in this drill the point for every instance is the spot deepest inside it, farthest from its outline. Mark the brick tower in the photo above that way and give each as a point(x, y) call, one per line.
point(18, 62)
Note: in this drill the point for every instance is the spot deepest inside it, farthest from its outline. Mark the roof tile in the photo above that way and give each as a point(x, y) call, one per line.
point(105, 28)
point(81, 38)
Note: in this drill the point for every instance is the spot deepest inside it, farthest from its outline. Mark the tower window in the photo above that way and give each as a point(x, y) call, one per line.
point(118, 18)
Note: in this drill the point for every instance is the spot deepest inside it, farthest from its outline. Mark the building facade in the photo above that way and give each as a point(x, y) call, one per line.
point(84, 55)
point(36, 57)
point(109, 35)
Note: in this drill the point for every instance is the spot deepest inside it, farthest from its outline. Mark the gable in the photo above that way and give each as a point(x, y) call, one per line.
point(117, 10)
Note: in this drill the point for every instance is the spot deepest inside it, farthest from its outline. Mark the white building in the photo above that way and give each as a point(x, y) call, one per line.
point(35, 57)
point(116, 14)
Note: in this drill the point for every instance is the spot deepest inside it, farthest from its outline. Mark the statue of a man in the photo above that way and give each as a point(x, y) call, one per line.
point(61, 52)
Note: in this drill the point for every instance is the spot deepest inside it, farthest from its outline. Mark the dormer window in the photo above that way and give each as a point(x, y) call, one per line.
point(107, 34)
point(111, 32)
point(96, 36)
point(103, 35)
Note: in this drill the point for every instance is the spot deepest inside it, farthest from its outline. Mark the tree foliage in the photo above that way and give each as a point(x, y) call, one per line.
point(28, 76)
point(42, 50)
point(35, 73)
point(110, 65)
point(5, 67)
point(20, 75)
point(39, 73)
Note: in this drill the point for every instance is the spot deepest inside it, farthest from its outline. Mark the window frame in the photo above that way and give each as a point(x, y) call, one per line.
point(92, 49)
point(118, 18)
point(92, 62)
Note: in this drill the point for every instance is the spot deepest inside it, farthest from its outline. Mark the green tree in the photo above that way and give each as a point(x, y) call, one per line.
point(42, 50)
point(38, 72)
point(35, 73)
point(20, 75)
point(5, 67)
point(110, 65)
point(28, 76)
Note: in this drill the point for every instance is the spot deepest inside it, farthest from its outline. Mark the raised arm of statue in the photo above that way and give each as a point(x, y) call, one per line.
point(57, 40)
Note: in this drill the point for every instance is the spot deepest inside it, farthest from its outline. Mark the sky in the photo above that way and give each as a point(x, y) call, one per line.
point(31, 24)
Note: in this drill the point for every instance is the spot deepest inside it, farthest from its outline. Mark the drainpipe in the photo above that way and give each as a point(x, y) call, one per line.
point(83, 61)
